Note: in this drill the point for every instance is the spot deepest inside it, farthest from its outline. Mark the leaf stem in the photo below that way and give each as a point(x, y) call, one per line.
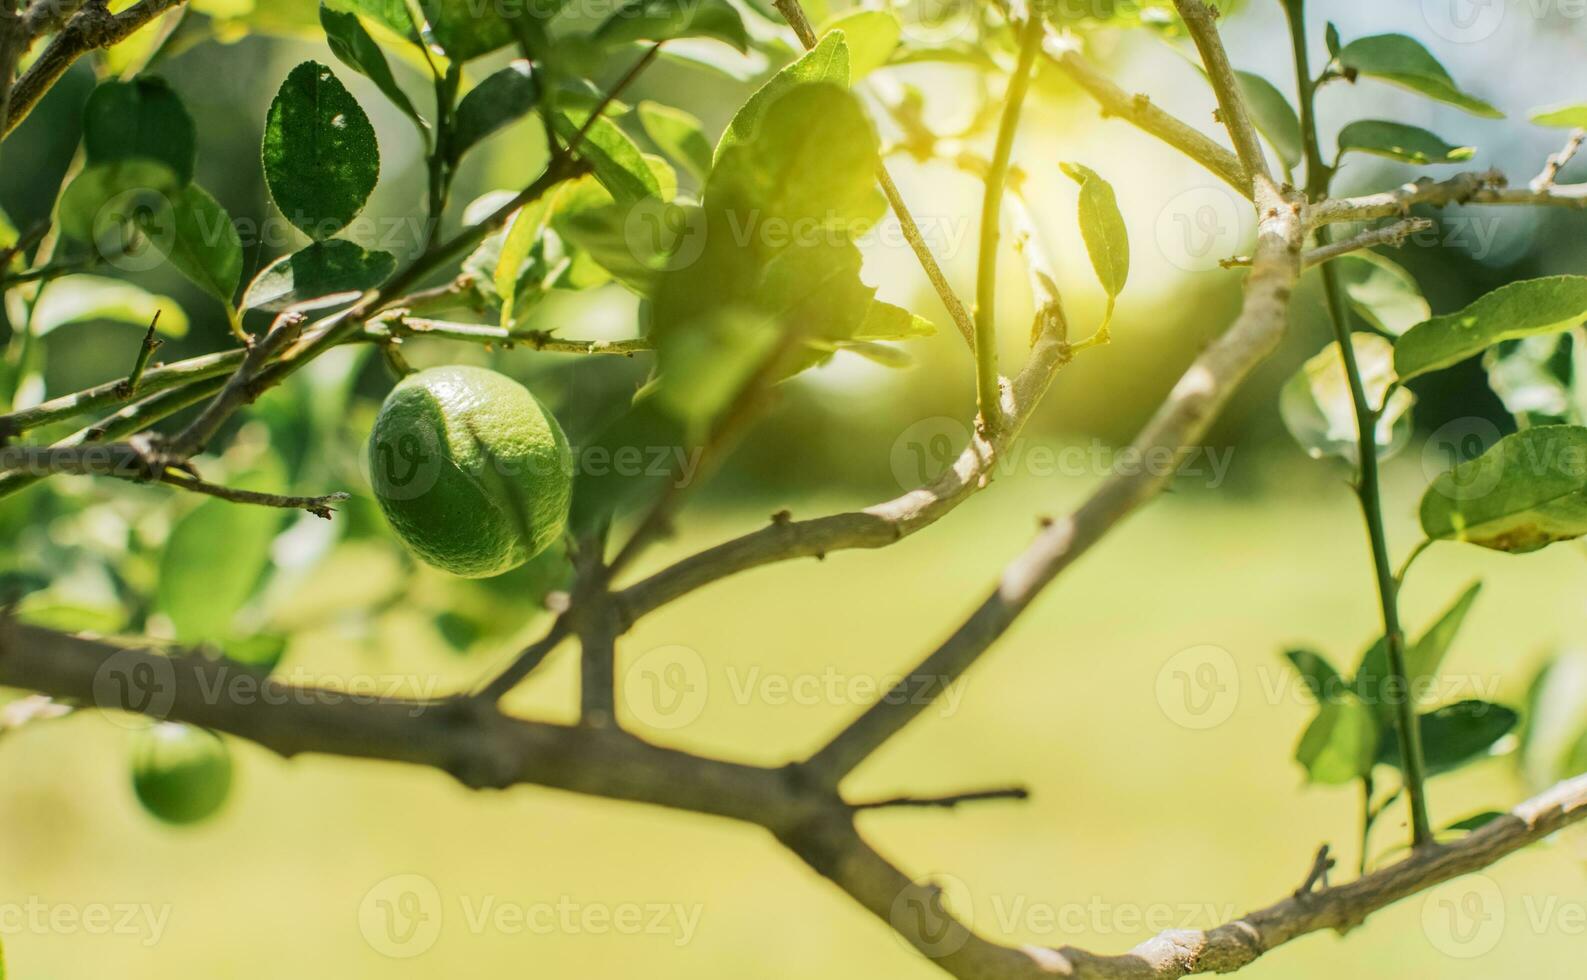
point(1368, 489)
point(986, 380)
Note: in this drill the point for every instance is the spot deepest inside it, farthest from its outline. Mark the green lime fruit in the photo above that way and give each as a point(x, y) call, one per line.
point(475, 476)
point(181, 774)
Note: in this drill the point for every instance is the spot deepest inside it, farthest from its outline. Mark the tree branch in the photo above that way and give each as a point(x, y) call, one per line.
point(1200, 21)
point(484, 748)
point(1467, 188)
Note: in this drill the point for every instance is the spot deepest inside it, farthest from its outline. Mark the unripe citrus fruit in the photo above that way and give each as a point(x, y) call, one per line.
point(181, 774)
point(473, 474)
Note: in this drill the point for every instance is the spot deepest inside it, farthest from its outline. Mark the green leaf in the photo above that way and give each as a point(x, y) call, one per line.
point(1519, 309)
point(1319, 411)
point(1340, 744)
point(214, 560)
point(139, 120)
point(494, 103)
point(884, 321)
point(1331, 38)
point(663, 20)
point(1102, 228)
point(1273, 116)
point(467, 29)
point(1400, 142)
point(828, 61)
point(84, 299)
point(103, 202)
point(197, 235)
point(1381, 292)
point(1319, 676)
point(886, 355)
point(1454, 735)
point(1422, 658)
point(321, 159)
point(1403, 61)
point(618, 163)
point(353, 47)
point(391, 14)
point(334, 271)
point(680, 135)
point(1556, 720)
point(1563, 117)
point(872, 36)
point(1476, 821)
point(1526, 492)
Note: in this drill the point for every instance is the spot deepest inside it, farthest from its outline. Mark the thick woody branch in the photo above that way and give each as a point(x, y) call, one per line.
point(93, 27)
point(1467, 188)
point(484, 748)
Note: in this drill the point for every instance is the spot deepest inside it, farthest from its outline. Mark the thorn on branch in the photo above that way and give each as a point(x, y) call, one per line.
point(1320, 866)
point(1019, 793)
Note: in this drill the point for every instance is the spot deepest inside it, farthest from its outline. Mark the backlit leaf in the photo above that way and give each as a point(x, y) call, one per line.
point(1519, 309)
point(1404, 61)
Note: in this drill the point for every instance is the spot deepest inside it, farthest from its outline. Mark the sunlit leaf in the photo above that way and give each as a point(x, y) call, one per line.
point(1318, 409)
point(619, 165)
point(1340, 744)
point(1423, 658)
point(1398, 141)
point(680, 135)
point(1381, 292)
point(1519, 309)
point(1526, 492)
point(828, 61)
point(1274, 117)
point(663, 20)
point(1564, 117)
point(84, 299)
point(1404, 61)
point(1319, 676)
point(871, 35)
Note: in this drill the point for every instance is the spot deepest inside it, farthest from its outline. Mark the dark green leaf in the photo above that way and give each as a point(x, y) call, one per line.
point(393, 14)
point(334, 271)
point(1274, 117)
point(1476, 821)
point(1398, 141)
point(680, 136)
point(828, 61)
point(467, 29)
point(353, 47)
point(1422, 659)
point(494, 103)
point(1319, 676)
point(1331, 38)
point(1340, 744)
point(1526, 492)
point(139, 120)
point(197, 235)
point(1454, 735)
point(320, 156)
point(1403, 61)
point(1519, 309)
point(663, 20)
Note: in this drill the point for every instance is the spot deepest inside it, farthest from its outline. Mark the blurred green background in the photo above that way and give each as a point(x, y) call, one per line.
point(1146, 813)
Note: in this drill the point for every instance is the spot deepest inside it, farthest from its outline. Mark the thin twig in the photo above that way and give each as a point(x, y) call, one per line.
point(151, 343)
point(318, 506)
point(1556, 162)
point(946, 802)
point(540, 340)
point(240, 389)
point(1389, 236)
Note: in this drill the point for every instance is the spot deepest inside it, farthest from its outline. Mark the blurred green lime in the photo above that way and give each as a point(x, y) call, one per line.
point(181, 774)
point(473, 474)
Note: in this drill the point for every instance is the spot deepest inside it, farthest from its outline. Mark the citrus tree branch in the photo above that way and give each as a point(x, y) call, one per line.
point(484, 748)
point(1200, 21)
point(1490, 187)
